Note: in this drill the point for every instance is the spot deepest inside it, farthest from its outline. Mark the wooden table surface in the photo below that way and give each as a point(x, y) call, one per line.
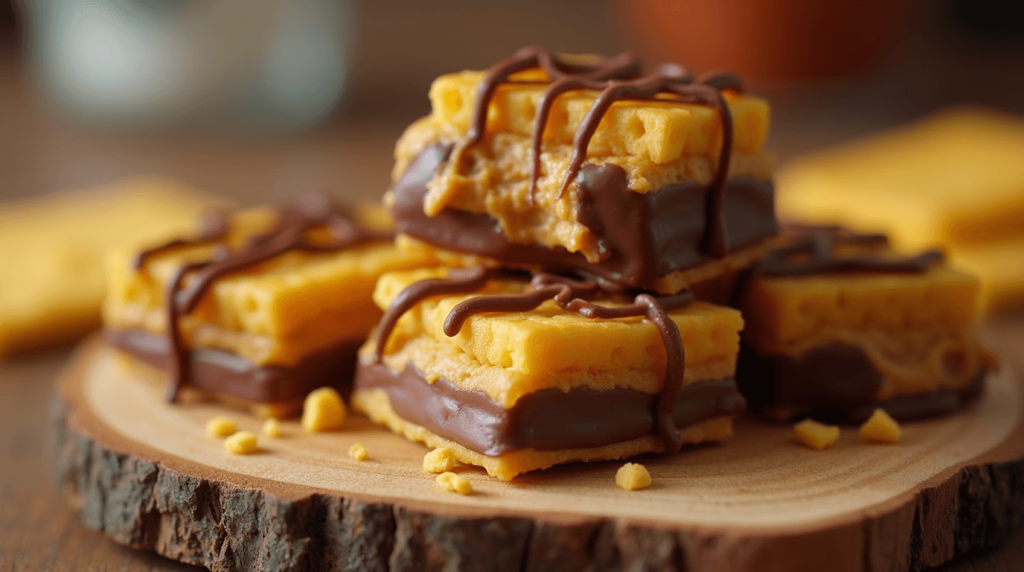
point(351, 157)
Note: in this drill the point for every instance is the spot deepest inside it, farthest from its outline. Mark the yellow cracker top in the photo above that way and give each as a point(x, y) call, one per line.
point(660, 131)
point(288, 306)
point(548, 342)
point(787, 309)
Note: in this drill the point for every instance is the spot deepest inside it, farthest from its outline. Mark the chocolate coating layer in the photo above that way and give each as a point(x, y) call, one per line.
point(836, 382)
point(570, 295)
point(546, 420)
point(646, 236)
point(221, 372)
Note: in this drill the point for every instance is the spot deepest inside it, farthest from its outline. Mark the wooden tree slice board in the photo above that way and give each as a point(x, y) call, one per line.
point(147, 475)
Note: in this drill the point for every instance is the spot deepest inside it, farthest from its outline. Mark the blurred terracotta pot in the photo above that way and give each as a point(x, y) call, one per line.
point(769, 39)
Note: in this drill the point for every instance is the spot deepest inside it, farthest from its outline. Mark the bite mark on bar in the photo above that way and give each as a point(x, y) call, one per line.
point(618, 79)
point(646, 235)
point(546, 420)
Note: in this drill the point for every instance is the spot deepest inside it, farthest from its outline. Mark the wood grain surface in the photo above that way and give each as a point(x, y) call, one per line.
point(147, 475)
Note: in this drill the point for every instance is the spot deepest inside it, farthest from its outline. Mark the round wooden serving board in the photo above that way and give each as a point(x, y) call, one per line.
point(148, 475)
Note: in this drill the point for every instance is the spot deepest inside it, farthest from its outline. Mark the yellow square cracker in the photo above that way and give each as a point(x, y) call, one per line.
point(660, 132)
point(785, 310)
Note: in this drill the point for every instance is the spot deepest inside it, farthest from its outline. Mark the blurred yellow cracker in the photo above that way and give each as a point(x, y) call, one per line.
point(53, 248)
point(955, 179)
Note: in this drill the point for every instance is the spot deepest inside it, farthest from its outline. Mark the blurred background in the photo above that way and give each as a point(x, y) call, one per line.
point(260, 100)
point(257, 99)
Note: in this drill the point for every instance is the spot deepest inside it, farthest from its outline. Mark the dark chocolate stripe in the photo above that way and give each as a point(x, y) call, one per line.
point(225, 373)
point(546, 420)
point(644, 236)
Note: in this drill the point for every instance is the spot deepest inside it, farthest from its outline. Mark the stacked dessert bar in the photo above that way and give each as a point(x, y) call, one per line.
point(574, 201)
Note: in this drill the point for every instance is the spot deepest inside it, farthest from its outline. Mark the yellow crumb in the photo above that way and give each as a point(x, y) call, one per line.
point(272, 428)
point(241, 443)
point(358, 452)
point(439, 460)
point(452, 482)
point(633, 477)
point(816, 435)
point(323, 410)
point(221, 426)
point(881, 428)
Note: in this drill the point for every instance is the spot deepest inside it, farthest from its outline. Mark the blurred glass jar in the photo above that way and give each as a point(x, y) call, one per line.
point(224, 64)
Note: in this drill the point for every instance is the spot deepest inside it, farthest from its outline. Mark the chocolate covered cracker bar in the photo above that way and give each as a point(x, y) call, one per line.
point(257, 308)
point(515, 373)
point(838, 323)
point(587, 165)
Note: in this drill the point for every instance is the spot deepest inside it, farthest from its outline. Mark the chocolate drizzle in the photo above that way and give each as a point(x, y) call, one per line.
point(212, 228)
point(813, 251)
point(289, 233)
point(570, 295)
point(618, 79)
